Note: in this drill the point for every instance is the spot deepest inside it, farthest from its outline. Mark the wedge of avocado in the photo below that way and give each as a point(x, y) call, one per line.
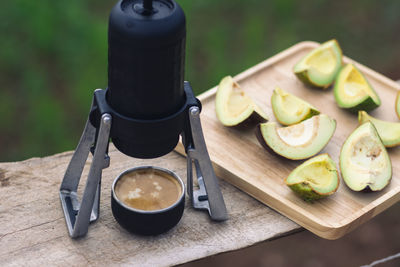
point(398, 104)
point(352, 90)
point(315, 178)
point(320, 67)
point(289, 109)
point(389, 132)
point(364, 161)
point(298, 141)
point(233, 106)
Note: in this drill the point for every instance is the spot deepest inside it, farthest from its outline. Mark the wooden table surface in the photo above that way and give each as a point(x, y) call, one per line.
point(33, 229)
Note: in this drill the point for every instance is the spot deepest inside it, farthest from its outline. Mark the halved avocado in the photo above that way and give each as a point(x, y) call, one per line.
point(352, 90)
point(364, 161)
point(289, 109)
point(298, 141)
point(389, 132)
point(398, 105)
point(315, 178)
point(234, 106)
point(320, 67)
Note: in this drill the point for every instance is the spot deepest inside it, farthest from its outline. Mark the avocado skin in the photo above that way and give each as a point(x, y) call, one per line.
point(261, 140)
point(367, 105)
point(306, 192)
point(253, 119)
point(311, 114)
point(303, 76)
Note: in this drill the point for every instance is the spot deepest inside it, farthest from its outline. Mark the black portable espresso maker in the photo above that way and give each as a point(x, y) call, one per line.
point(145, 109)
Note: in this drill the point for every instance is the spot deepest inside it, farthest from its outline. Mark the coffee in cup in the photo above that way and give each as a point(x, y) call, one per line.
point(148, 200)
point(148, 189)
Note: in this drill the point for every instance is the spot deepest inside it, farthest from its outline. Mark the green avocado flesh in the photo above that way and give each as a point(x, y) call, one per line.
point(298, 141)
point(315, 178)
point(289, 109)
point(352, 90)
point(233, 106)
point(320, 67)
point(364, 161)
point(398, 105)
point(389, 132)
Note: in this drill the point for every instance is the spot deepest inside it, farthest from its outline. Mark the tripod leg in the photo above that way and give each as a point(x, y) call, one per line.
point(78, 216)
point(75, 167)
point(209, 195)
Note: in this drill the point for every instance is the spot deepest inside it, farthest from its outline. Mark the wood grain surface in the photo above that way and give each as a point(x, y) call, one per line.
point(33, 230)
point(239, 159)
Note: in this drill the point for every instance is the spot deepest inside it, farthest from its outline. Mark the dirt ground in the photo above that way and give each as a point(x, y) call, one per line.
point(379, 238)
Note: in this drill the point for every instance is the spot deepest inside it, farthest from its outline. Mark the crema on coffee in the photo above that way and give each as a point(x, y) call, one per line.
point(148, 189)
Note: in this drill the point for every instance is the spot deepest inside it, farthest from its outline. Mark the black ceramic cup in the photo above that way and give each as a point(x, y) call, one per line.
point(148, 222)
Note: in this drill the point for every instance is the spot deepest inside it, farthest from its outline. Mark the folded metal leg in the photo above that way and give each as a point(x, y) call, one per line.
point(79, 215)
point(208, 196)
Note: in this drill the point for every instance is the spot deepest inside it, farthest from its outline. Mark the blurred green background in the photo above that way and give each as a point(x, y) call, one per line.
point(53, 54)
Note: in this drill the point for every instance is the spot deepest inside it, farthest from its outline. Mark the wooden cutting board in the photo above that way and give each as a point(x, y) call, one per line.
point(239, 159)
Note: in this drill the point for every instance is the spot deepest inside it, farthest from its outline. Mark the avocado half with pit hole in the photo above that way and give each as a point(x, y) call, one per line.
point(233, 106)
point(352, 90)
point(398, 105)
point(320, 67)
point(298, 141)
point(389, 132)
point(315, 178)
point(364, 161)
point(289, 109)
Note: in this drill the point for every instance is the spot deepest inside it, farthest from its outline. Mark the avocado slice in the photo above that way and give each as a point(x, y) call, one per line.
point(398, 104)
point(298, 141)
point(352, 90)
point(233, 106)
point(289, 109)
point(364, 161)
point(315, 178)
point(320, 67)
point(389, 132)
